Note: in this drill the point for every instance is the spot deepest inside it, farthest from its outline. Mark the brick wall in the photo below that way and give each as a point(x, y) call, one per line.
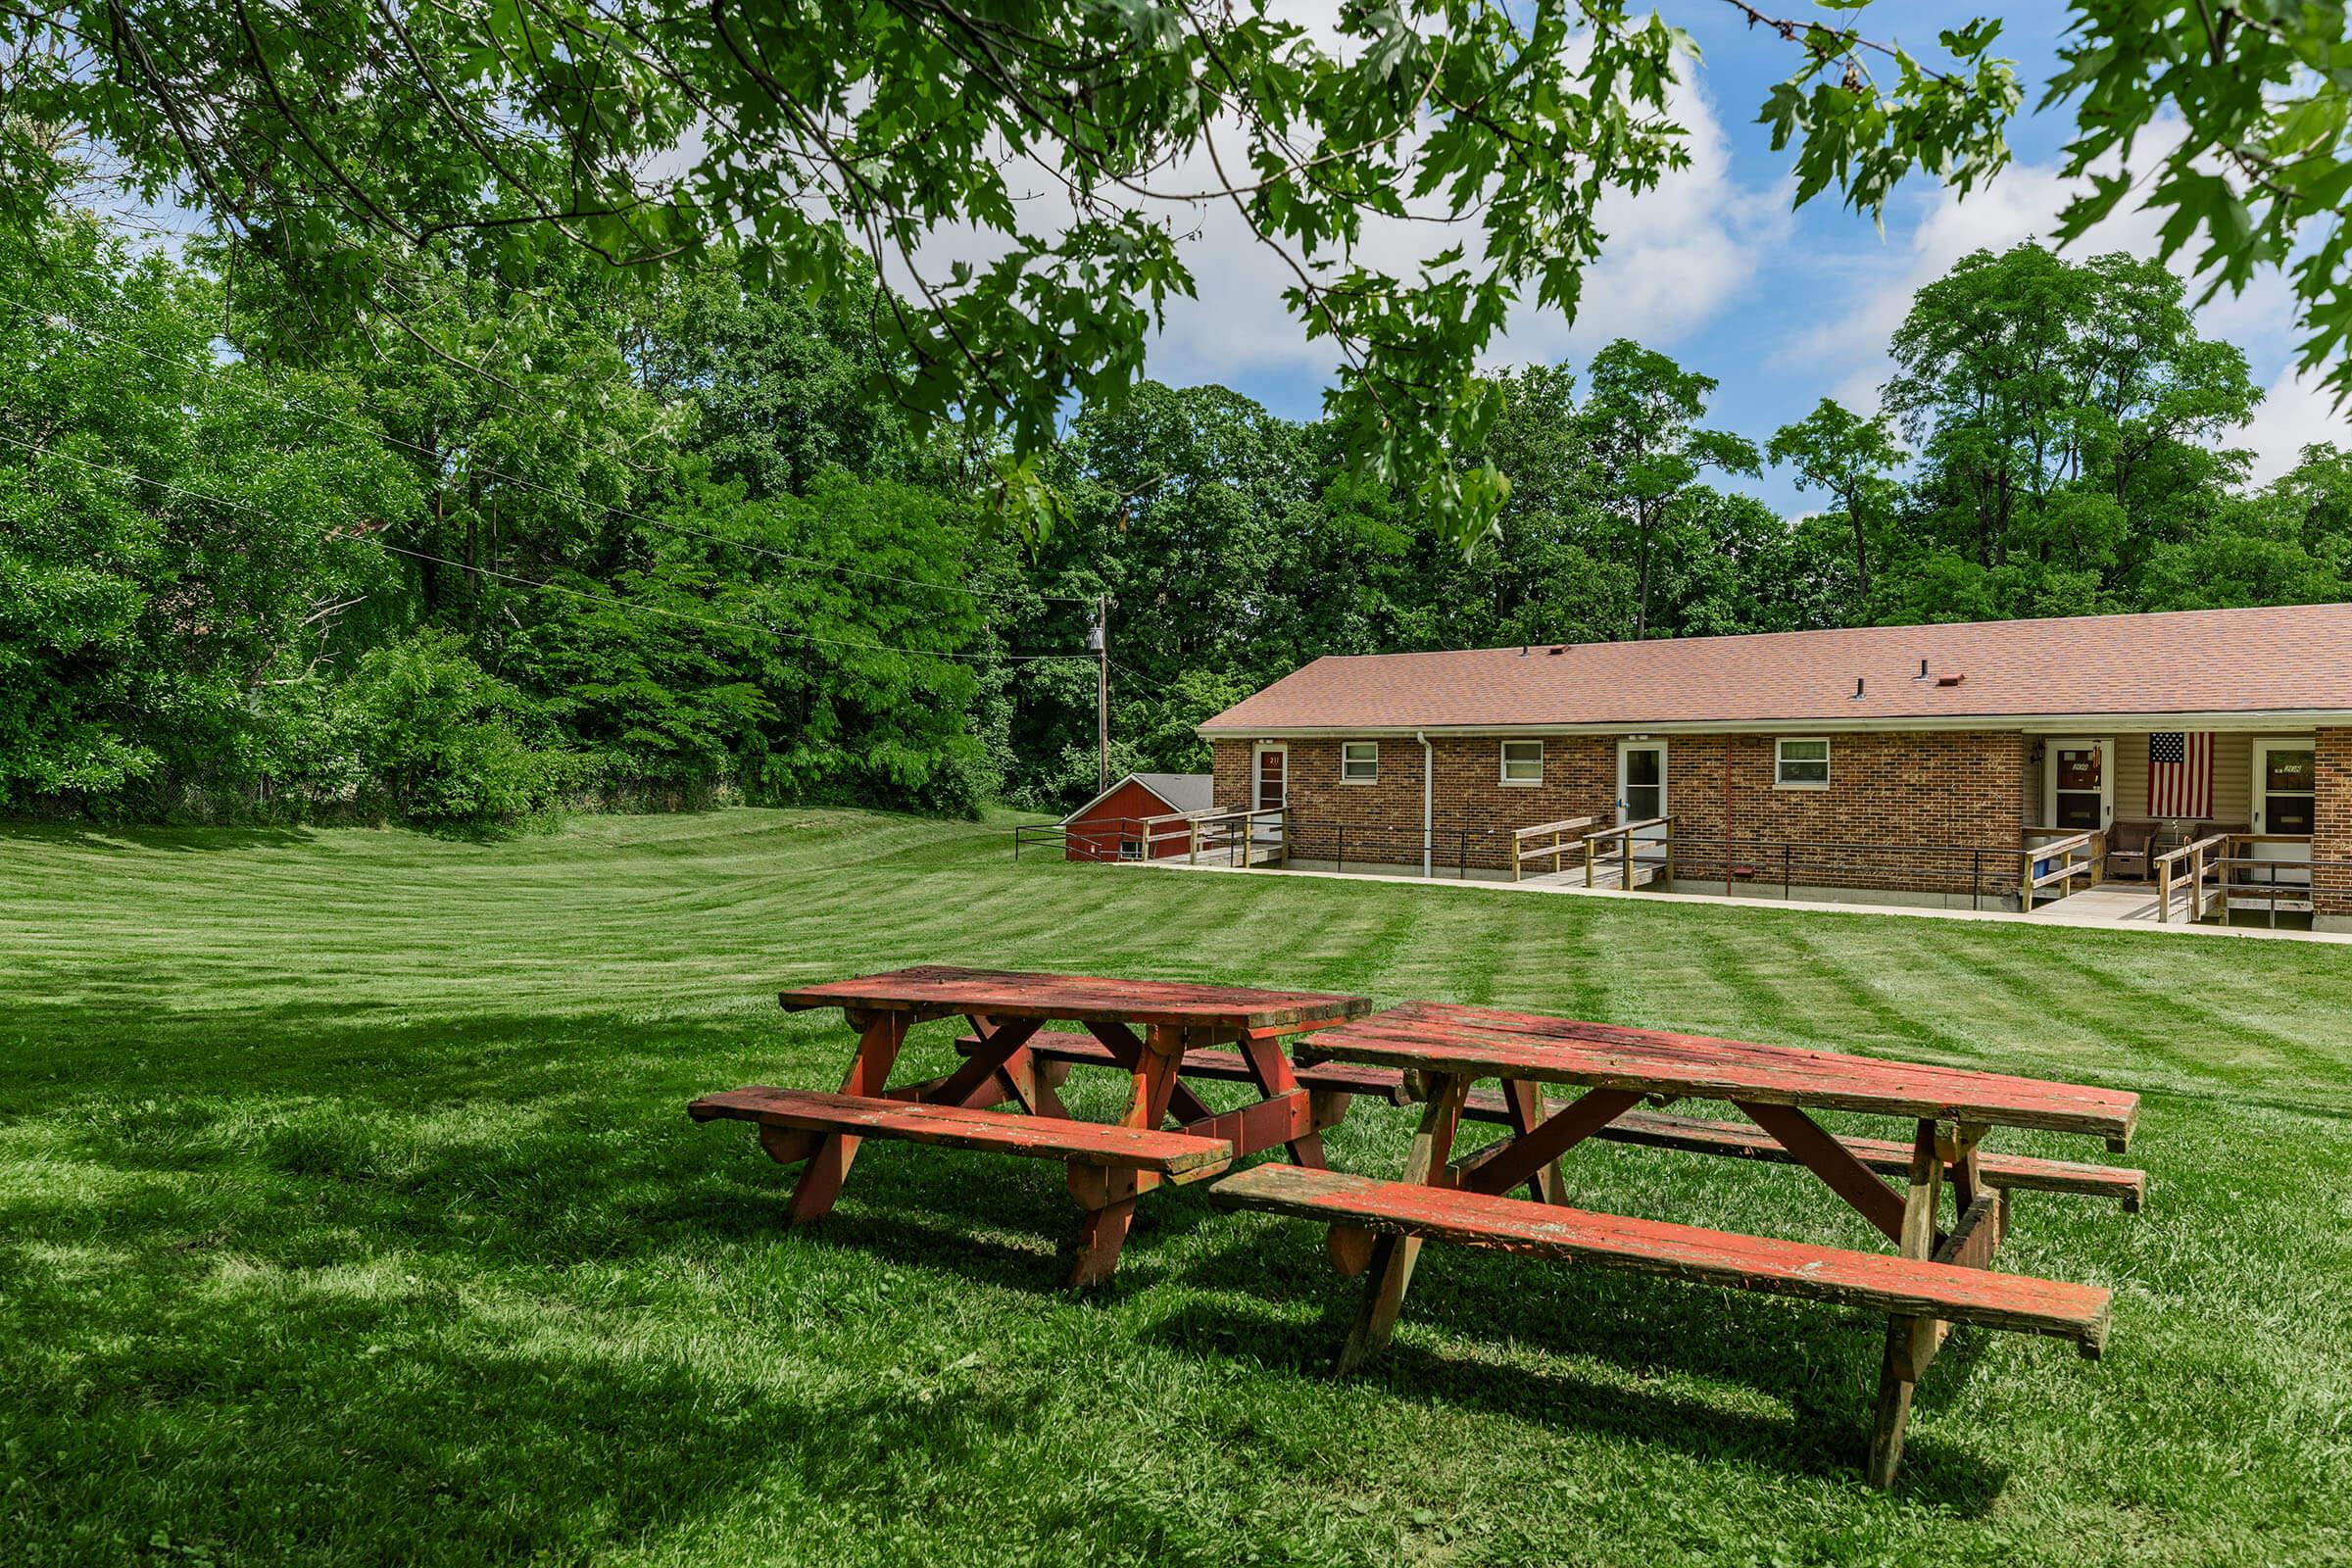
point(1910, 793)
point(1906, 790)
point(2331, 822)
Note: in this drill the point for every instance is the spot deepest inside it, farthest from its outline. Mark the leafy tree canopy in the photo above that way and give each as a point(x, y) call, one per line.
point(834, 143)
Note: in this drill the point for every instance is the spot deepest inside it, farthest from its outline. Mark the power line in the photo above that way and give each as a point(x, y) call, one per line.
point(285, 402)
point(564, 588)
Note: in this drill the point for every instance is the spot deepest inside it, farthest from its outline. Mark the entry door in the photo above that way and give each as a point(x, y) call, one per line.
point(2284, 801)
point(1273, 778)
point(2079, 790)
point(1641, 785)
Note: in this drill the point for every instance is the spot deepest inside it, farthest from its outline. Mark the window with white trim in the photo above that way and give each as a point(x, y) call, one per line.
point(1800, 764)
point(1359, 762)
point(1523, 762)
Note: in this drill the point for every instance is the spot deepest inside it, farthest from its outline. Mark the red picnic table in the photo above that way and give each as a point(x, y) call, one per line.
point(1938, 1277)
point(1008, 1059)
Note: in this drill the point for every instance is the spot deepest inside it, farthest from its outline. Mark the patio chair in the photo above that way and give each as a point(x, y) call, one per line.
point(2127, 847)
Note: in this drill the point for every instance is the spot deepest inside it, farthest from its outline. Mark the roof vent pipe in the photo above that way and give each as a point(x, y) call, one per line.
point(1523, 650)
point(1923, 671)
point(1857, 697)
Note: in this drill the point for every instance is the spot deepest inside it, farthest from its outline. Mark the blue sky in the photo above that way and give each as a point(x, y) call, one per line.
point(1781, 308)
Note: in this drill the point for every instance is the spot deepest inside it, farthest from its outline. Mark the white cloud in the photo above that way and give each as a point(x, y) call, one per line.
point(1676, 258)
point(2024, 203)
point(2297, 412)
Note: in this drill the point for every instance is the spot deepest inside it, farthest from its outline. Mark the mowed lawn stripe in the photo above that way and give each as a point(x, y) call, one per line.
point(349, 1215)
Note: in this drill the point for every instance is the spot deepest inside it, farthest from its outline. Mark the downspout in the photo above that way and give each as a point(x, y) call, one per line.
point(1427, 794)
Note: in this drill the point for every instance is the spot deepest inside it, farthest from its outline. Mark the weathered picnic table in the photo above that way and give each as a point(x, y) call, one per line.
point(1938, 1277)
point(1007, 1061)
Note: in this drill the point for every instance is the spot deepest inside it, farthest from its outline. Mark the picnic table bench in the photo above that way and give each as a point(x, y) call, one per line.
point(1182, 1027)
point(1939, 1277)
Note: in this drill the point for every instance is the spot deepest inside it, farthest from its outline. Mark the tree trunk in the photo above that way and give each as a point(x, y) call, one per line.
point(1641, 590)
point(1861, 552)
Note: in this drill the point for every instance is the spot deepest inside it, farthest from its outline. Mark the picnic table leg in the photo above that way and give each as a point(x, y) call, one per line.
point(829, 1162)
point(1910, 1341)
point(1109, 1195)
point(1271, 1070)
point(1393, 1256)
point(1523, 1098)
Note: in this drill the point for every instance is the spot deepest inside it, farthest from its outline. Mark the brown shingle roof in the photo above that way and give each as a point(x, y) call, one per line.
point(2287, 658)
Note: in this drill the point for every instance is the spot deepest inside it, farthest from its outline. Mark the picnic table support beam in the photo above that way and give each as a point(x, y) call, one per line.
point(1910, 1341)
point(1506, 1164)
point(1825, 1156)
point(1393, 1256)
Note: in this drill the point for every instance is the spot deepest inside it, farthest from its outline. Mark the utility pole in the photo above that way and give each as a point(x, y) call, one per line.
point(1098, 638)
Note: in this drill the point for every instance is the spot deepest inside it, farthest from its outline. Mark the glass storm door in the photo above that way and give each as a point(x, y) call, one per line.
point(2286, 800)
point(1273, 778)
point(2081, 784)
point(1641, 785)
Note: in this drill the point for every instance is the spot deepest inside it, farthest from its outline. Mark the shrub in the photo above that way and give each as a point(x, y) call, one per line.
point(444, 743)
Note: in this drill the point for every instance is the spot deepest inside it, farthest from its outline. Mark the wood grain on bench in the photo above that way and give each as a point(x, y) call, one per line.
point(1180, 1156)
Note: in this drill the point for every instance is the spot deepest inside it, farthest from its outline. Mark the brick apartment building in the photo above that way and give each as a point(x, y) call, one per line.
point(1912, 763)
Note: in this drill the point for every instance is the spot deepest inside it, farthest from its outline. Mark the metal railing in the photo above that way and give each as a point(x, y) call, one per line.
point(1458, 848)
point(2208, 873)
point(1976, 871)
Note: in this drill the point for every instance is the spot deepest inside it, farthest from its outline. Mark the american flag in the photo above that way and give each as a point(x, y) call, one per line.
point(2181, 774)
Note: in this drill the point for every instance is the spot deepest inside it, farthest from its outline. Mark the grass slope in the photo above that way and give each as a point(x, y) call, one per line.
point(348, 1214)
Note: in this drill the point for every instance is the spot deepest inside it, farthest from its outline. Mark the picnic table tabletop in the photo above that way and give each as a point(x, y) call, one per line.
point(942, 990)
point(1004, 1097)
point(1940, 1275)
point(1487, 1041)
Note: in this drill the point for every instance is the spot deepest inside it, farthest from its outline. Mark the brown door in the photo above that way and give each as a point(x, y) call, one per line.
point(2080, 789)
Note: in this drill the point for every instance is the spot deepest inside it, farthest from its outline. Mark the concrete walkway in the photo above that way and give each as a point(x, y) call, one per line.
point(2121, 909)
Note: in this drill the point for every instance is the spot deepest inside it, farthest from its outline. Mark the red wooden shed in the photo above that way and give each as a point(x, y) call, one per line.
point(1109, 827)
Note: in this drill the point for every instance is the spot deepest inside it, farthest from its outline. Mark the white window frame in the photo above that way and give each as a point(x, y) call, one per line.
point(1781, 759)
point(1346, 760)
point(1502, 759)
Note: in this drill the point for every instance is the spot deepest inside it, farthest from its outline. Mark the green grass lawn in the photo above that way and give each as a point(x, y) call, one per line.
point(349, 1215)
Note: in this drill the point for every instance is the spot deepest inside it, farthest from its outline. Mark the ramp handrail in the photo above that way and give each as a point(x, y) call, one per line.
point(1624, 833)
point(2167, 864)
point(1559, 844)
point(2092, 844)
point(1241, 840)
